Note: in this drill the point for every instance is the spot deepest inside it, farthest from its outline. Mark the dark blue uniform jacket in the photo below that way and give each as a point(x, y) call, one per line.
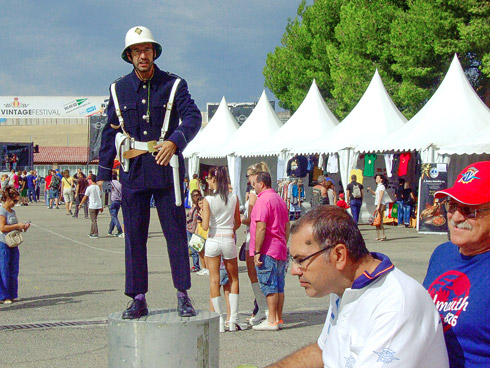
point(133, 98)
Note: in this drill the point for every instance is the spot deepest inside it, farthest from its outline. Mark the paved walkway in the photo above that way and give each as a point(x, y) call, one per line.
point(69, 278)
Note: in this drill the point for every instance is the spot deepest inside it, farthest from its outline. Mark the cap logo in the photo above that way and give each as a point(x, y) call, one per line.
point(469, 175)
point(138, 30)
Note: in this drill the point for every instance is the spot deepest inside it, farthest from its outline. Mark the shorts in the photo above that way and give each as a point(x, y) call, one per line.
point(23, 193)
point(271, 275)
point(223, 277)
point(220, 246)
point(68, 195)
point(53, 193)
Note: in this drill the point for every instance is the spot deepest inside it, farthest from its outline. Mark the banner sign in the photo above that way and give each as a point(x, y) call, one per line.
point(97, 124)
point(51, 107)
point(431, 212)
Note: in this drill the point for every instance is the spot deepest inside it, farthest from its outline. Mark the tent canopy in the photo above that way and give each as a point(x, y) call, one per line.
point(312, 119)
point(374, 116)
point(209, 141)
point(257, 131)
point(453, 113)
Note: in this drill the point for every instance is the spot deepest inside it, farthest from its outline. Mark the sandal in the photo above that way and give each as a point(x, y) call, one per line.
point(382, 239)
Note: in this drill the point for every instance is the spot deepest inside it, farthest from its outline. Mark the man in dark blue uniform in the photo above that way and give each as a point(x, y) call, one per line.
point(138, 104)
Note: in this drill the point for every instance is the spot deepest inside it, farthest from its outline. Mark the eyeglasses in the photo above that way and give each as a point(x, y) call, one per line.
point(137, 52)
point(196, 195)
point(299, 261)
point(466, 211)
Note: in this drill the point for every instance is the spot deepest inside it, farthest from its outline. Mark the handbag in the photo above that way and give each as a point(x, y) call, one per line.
point(376, 218)
point(242, 255)
point(198, 239)
point(14, 238)
point(197, 242)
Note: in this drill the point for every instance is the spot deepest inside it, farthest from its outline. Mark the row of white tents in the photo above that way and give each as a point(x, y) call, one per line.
point(454, 121)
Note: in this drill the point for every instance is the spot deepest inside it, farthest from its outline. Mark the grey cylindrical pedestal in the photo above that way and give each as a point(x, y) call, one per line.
point(163, 339)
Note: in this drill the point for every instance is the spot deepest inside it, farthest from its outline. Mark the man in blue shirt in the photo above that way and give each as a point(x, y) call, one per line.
point(137, 108)
point(458, 277)
point(31, 186)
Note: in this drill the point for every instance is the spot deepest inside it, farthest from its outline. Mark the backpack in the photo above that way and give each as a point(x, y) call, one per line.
point(356, 192)
point(55, 182)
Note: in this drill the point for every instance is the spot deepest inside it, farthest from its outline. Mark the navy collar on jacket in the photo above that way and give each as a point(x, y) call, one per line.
point(367, 278)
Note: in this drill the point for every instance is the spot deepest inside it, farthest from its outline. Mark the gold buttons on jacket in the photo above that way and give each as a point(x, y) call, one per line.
point(145, 132)
point(143, 101)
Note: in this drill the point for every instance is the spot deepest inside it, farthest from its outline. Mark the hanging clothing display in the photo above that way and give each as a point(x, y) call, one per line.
point(404, 160)
point(332, 164)
point(358, 174)
point(389, 163)
point(395, 164)
point(297, 166)
point(369, 164)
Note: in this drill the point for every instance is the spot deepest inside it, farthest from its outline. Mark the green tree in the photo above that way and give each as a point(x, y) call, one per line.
point(341, 42)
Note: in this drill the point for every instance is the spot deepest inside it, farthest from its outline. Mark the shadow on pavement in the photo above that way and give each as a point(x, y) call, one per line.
point(304, 318)
point(50, 300)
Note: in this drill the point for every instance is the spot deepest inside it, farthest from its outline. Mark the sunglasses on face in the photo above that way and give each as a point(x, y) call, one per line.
point(466, 211)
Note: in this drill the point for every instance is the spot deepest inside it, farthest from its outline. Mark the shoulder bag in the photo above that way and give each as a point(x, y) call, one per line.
point(14, 238)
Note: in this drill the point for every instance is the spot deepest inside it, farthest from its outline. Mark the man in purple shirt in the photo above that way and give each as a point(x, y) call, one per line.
point(269, 233)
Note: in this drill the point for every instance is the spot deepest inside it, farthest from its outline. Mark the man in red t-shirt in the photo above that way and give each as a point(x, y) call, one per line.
point(46, 187)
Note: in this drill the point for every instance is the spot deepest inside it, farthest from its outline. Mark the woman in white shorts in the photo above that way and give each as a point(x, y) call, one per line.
point(221, 215)
point(67, 190)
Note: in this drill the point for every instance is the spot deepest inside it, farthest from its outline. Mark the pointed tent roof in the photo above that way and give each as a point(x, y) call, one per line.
point(220, 128)
point(312, 119)
point(256, 132)
point(374, 116)
point(453, 113)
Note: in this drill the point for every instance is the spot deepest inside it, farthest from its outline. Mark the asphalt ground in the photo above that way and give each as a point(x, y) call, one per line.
point(69, 278)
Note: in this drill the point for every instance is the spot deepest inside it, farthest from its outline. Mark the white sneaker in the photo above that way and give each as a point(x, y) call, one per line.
point(266, 326)
point(255, 320)
point(203, 272)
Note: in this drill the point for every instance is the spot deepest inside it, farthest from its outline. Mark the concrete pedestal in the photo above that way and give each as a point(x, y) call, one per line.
point(163, 339)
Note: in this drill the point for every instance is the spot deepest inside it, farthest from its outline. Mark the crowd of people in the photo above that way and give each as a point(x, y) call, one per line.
point(402, 323)
point(377, 316)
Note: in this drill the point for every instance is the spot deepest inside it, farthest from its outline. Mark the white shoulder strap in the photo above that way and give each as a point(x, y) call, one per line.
point(117, 108)
point(168, 112)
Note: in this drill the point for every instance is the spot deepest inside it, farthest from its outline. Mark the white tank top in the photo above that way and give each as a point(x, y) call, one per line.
point(222, 217)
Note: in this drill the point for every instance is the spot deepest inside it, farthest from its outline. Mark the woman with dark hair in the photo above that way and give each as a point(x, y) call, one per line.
point(221, 215)
point(9, 257)
point(380, 204)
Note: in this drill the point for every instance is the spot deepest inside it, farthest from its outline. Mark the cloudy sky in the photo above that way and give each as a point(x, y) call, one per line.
point(73, 48)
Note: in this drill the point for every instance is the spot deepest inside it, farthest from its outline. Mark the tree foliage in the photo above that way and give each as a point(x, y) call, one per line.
point(340, 43)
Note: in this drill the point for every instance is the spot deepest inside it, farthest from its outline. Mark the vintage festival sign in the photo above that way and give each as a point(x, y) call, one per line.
point(51, 106)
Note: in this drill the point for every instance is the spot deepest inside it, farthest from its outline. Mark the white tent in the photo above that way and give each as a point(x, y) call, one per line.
point(454, 113)
point(374, 116)
point(311, 120)
point(208, 143)
point(256, 132)
point(478, 143)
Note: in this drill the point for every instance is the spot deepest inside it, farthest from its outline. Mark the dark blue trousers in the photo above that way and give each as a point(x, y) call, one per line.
point(136, 213)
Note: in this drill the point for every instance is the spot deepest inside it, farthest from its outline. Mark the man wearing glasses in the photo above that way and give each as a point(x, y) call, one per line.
point(458, 277)
point(145, 107)
point(378, 316)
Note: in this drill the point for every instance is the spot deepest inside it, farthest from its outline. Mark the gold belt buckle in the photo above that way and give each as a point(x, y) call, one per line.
point(151, 146)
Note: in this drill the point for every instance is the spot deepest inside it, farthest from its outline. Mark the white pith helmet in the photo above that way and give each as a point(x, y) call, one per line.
point(139, 34)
